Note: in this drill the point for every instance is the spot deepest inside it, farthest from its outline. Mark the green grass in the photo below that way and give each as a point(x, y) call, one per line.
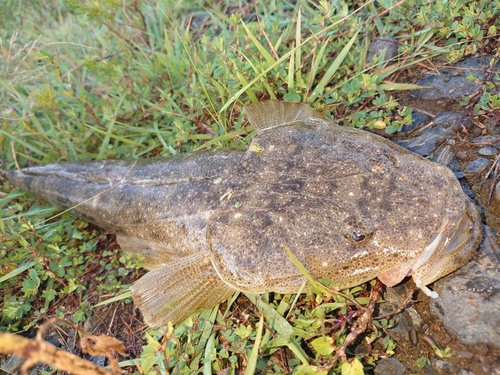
point(106, 80)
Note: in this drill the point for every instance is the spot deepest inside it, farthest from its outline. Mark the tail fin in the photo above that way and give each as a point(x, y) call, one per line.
point(178, 289)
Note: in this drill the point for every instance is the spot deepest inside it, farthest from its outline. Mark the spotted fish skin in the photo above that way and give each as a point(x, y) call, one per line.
point(349, 204)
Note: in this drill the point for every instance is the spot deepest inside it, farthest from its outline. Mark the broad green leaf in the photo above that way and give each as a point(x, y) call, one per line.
point(323, 345)
point(309, 369)
point(355, 367)
point(421, 362)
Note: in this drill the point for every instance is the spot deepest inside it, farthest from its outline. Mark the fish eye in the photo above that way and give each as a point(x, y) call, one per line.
point(357, 238)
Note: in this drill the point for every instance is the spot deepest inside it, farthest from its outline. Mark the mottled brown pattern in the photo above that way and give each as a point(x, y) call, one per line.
point(349, 204)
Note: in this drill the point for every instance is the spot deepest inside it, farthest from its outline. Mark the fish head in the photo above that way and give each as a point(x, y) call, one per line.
point(349, 204)
point(408, 217)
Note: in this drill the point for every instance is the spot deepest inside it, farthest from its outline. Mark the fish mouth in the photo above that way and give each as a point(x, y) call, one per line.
point(457, 250)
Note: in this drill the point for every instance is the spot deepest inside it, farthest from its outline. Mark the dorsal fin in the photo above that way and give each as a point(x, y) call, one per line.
point(272, 113)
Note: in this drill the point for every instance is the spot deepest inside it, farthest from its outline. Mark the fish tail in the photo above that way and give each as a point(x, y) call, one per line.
point(51, 188)
point(178, 289)
point(18, 179)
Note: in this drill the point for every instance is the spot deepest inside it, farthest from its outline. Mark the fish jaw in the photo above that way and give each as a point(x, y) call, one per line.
point(398, 273)
point(446, 254)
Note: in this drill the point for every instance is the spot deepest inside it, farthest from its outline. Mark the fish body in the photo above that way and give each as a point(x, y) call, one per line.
point(349, 204)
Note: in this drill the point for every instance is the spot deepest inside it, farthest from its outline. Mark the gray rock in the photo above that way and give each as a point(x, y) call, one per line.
point(385, 48)
point(389, 366)
point(478, 165)
point(487, 151)
point(406, 320)
point(444, 368)
point(452, 82)
point(99, 360)
point(469, 299)
point(485, 139)
point(54, 340)
point(446, 157)
point(431, 137)
point(489, 246)
point(465, 354)
point(488, 140)
point(40, 368)
point(12, 364)
point(469, 193)
point(429, 370)
point(492, 126)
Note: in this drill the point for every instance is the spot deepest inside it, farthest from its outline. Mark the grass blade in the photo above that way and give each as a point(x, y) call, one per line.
point(291, 70)
point(294, 346)
point(222, 138)
point(332, 69)
point(286, 56)
point(298, 51)
point(109, 134)
point(400, 86)
point(267, 56)
point(296, 262)
point(254, 355)
point(317, 60)
point(279, 323)
point(120, 297)
point(18, 270)
point(207, 360)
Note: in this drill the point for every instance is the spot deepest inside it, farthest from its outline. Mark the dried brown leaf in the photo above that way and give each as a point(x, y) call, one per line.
point(39, 351)
point(103, 345)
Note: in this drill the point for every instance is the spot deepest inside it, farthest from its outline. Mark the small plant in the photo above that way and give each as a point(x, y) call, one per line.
point(485, 102)
point(421, 362)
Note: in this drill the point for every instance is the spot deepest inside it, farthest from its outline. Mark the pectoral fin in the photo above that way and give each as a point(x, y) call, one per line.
point(153, 256)
point(178, 289)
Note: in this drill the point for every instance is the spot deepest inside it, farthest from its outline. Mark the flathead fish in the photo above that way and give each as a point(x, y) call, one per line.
point(349, 204)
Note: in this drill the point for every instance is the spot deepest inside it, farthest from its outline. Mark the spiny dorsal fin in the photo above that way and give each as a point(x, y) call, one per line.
point(272, 113)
